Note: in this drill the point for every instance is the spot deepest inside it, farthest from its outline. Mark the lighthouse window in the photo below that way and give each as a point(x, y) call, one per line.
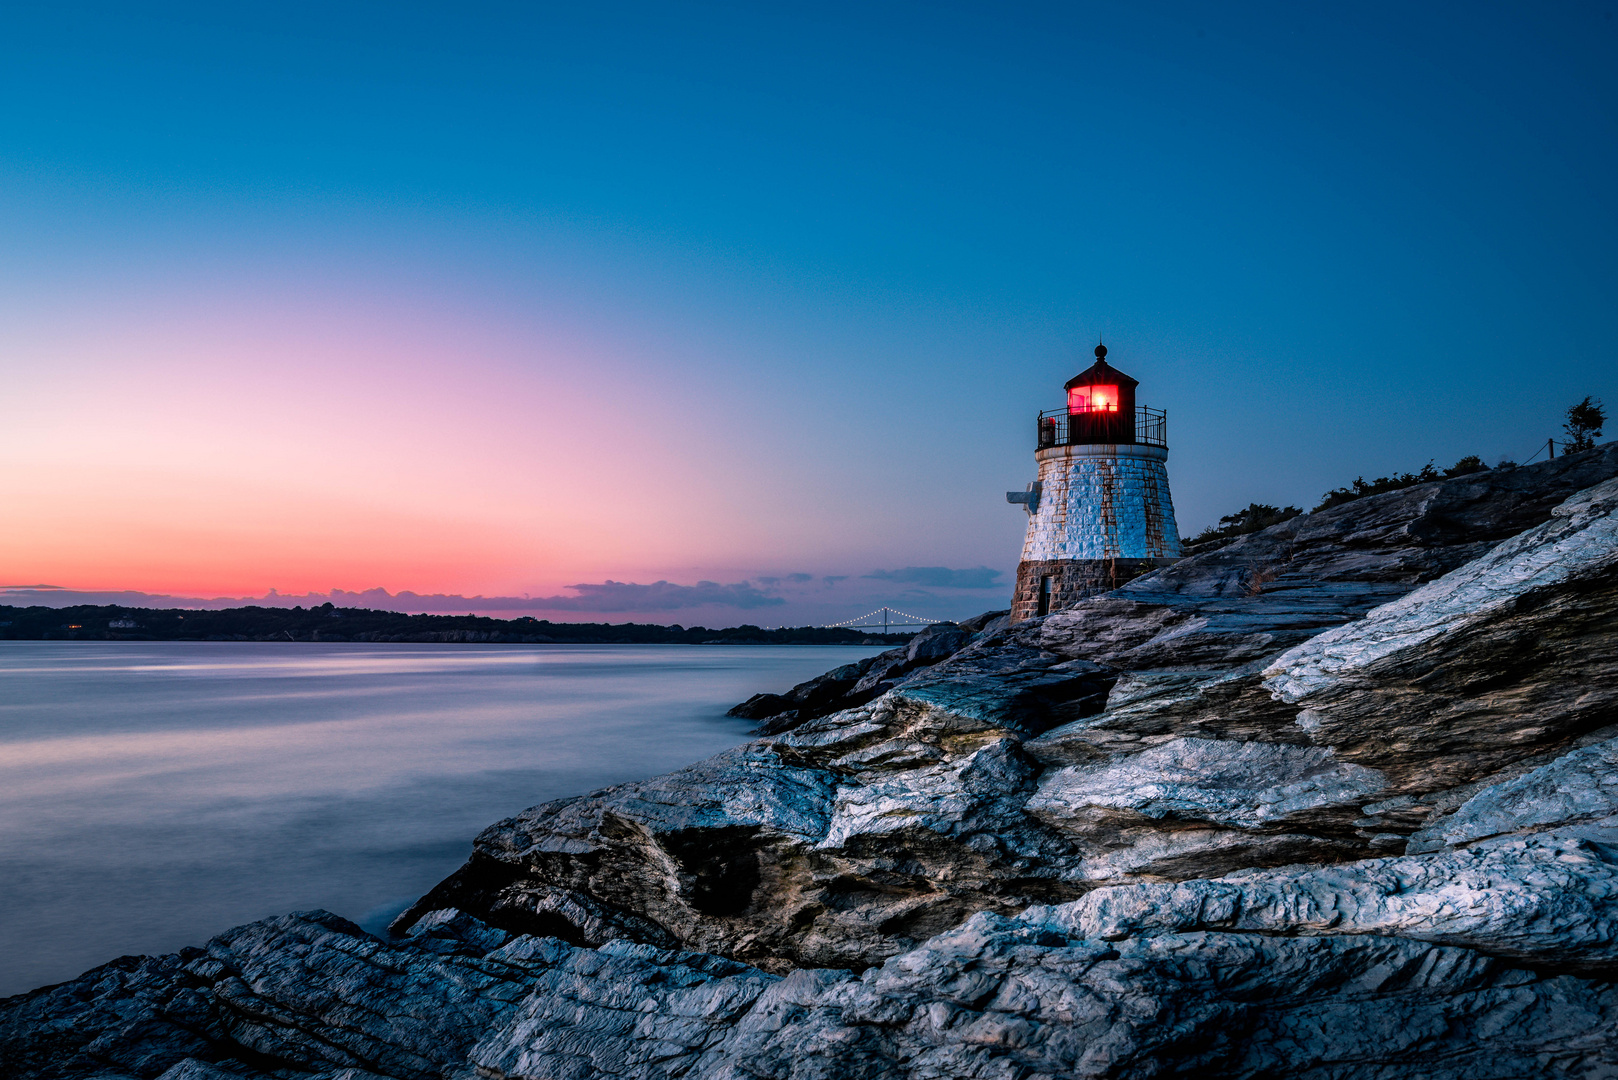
point(1045, 595)
point(1083, 399)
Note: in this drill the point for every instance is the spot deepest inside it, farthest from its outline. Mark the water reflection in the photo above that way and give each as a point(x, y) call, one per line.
point(154, 794)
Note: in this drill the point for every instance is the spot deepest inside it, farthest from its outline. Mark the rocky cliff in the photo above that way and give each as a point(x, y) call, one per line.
point(1339, 799)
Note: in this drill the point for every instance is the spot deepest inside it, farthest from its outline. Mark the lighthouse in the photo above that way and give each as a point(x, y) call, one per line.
point(1100, 512)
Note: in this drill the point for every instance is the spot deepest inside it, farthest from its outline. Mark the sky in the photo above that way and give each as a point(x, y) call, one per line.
point(742, 313)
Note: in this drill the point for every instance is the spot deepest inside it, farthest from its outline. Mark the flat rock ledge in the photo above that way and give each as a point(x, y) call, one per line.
point(1337, 800)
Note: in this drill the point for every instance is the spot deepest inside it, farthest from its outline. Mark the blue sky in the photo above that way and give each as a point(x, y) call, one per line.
point(730, 293)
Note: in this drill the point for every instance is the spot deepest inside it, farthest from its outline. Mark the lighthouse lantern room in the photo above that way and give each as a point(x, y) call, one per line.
point(1100, 512)
point(1101, 403)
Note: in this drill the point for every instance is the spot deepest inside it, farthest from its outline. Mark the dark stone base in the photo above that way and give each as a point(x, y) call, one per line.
point(1071, 580)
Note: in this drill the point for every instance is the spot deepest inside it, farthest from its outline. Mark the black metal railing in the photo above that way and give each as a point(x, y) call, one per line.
point(1059, 427)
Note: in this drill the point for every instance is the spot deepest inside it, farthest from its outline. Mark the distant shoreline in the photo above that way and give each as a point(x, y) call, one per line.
point(327, 623)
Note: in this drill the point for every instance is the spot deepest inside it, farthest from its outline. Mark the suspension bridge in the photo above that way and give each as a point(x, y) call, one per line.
point(890, 617)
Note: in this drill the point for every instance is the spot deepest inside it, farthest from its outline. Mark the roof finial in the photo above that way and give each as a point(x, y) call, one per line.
point(1101, 350)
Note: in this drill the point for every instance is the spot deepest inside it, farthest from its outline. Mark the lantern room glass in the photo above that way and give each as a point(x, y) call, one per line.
point(1090, 399)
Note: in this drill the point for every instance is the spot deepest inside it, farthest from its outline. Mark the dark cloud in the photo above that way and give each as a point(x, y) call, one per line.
point(658, 596)
point(796, 579)
point(940, 577)
point(832, 579)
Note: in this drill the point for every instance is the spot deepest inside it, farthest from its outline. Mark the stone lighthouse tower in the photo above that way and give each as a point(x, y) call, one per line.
point(1100, 512)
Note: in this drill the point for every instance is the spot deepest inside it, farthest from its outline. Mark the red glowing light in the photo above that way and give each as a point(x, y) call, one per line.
point(1084, 399)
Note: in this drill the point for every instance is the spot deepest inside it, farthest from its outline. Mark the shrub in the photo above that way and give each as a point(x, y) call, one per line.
point(1584, 423)
point(1362, 487)
point(1257, 517)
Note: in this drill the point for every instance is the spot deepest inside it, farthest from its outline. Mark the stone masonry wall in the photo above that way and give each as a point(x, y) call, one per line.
point(1103, 502)
point(1072, 580)
point(1105, 515)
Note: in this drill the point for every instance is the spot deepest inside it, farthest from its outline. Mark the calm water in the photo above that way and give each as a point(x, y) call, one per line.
point(154, 794)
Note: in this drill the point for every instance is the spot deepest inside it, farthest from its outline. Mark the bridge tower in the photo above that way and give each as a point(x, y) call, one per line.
point(1100, 512)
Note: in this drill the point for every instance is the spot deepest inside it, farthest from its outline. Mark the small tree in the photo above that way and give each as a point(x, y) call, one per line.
point(1583, 427)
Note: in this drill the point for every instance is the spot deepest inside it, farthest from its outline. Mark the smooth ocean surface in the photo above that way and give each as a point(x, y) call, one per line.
point(154, 794)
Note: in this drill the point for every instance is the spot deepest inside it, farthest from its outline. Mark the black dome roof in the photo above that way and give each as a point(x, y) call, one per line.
point(1100, 373)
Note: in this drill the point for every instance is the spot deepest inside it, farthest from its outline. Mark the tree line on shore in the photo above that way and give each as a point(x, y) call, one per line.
point(97, 622)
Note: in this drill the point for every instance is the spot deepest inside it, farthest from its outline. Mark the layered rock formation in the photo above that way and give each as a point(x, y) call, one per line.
point(1338, 800)
point(313, 996)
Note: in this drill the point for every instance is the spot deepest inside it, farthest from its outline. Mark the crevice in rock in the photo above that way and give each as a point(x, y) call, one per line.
point(719, 868)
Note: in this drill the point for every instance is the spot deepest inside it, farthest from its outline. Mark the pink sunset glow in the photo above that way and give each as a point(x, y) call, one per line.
point(240, 442)
point(237, 450)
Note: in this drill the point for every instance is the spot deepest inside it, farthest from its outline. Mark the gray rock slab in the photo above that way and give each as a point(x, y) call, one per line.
point(1246, 785)
point(1579, 786)
point(1580, 541)
point(1548, 899)
point(1507, 657)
